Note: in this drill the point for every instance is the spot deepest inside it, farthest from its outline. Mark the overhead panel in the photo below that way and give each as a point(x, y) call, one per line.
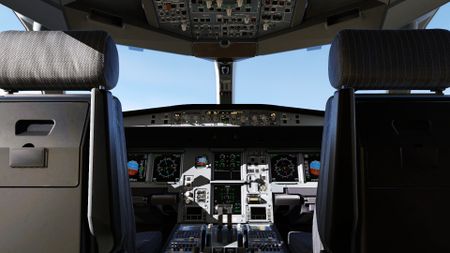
point(235, 20)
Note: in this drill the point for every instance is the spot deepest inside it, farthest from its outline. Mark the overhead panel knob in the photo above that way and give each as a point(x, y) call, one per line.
point(229, 11)
point(209, 4)
point(184, 27)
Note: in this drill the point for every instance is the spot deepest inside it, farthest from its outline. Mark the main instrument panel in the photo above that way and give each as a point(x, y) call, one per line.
point(241, 181)
point(226, 170)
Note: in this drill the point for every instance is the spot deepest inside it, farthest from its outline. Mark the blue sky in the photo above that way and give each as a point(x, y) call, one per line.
point(151, 79)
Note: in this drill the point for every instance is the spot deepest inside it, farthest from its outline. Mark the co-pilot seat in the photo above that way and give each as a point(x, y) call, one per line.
point(384, 184)
point(63, 177)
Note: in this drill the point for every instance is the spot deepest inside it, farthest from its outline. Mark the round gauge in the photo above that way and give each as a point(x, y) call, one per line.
point(166, 168)
point(284, 168)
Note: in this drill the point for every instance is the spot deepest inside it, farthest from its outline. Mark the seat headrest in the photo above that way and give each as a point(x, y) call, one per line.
point(390, 59)
point(57, 60)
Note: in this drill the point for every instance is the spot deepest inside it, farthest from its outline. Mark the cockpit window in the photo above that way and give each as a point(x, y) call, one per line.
point(441, 19)
point(9, 20)
point(150, 78)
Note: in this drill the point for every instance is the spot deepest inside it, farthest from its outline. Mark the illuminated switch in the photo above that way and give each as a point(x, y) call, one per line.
point(167, 7)
point(266, 26)
point(219, 3)
point(239, 3)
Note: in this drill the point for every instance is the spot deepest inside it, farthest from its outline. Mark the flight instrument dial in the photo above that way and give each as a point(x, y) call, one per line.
point(166, 167)
point(284, 168)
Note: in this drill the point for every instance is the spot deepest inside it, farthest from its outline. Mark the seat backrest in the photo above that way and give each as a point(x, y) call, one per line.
point(50, 146)
point(334, 212)
point(110, 208)
point(386, 158)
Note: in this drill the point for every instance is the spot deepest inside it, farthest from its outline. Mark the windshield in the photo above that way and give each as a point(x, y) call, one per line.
point(152, 79)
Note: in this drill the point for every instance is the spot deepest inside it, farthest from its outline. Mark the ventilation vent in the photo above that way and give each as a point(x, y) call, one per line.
point(343, 16)
point(105, 18)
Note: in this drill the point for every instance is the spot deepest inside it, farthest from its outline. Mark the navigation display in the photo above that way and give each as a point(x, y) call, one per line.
point(166, 167)
point(227, 195)
point(227, 166)
point(312, 166)
point(137, 167)
point(284, 167)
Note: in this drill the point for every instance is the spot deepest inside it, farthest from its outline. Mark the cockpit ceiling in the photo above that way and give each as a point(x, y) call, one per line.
point(225, 28)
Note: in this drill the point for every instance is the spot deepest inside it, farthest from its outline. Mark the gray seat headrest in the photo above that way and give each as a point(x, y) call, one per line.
point(390, 59)
point(57, 60)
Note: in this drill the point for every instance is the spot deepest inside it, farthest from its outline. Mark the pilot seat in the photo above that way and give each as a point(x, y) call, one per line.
point(63, 174)
point(385, 171)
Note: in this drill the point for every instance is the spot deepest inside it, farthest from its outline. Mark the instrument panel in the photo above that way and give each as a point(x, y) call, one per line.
point(236, 184)
point(166, 167)
point(224, 115)
point(226, 172)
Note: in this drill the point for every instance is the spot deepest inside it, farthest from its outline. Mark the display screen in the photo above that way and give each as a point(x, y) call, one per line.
point(194, 213)
point(137, 167)
point(227, 195)
point(194, 210)
point(166, 167)
point(201, 161)
point(312, 166)
point(258, 213)
point(227, 166)
point(284, 167)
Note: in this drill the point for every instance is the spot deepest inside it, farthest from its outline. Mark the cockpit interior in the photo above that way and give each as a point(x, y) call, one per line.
point(370, 173)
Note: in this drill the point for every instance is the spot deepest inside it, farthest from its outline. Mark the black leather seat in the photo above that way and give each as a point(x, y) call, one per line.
point(386, 158)
point(63, 173)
